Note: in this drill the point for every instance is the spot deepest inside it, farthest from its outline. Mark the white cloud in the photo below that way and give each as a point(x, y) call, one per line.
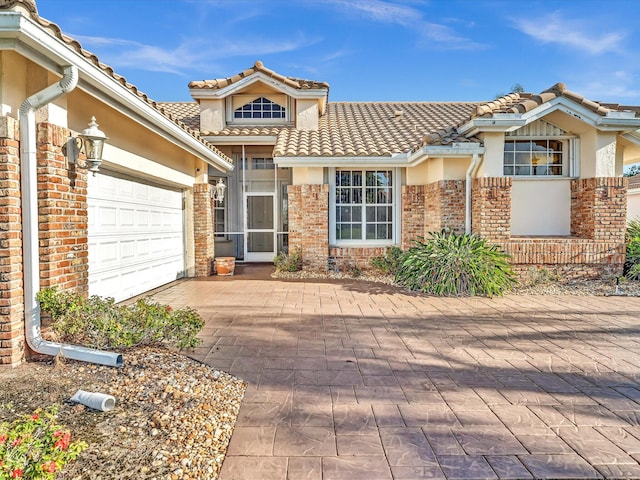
point(188, 55)
point(433, 34)
point(571, 33)
point(380, 10)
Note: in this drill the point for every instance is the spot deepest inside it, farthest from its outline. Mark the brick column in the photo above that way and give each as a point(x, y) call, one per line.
point(203, 229)
point(491, 208)
point(309, 224)
point(599, 208)
point(62, 209)
point(11, 293)
point(413, 214)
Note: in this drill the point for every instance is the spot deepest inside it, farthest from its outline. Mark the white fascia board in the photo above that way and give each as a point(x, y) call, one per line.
point(241, 140)
point(31, 41)
point(456, 150)
point(201, 93)
point(633, 137)
point(608, 123)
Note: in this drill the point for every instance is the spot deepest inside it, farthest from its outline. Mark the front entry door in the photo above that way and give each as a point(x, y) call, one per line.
point(260, 227)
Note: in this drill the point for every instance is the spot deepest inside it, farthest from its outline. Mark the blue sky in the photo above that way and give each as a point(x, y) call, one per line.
point(411, 50)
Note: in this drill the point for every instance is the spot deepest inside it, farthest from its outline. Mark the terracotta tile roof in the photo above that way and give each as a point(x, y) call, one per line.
point(524, 102)
point(30, 7)
point(634, 182)
point(297, 83)
point(375, 129)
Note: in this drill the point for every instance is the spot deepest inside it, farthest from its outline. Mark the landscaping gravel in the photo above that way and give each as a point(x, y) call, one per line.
point(173, 417)
point(605, 287)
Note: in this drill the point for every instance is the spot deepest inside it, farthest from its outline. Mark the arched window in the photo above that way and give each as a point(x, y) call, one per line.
point(260, 108)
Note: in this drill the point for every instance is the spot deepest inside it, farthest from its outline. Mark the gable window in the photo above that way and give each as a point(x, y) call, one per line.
point(541, 157)
point(260, 108)
point(364, 205)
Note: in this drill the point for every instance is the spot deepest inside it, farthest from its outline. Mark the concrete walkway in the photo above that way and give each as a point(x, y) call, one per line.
point(362, 381)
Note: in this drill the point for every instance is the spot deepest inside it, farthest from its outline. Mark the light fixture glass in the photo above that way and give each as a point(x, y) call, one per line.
point(217, 193)
point(93, 142)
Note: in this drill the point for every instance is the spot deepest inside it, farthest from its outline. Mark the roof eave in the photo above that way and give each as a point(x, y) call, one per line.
point(506, 122)
point(23, 35)
point(405, 159)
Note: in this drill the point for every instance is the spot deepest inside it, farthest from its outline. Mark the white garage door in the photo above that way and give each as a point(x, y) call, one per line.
point(136, 236)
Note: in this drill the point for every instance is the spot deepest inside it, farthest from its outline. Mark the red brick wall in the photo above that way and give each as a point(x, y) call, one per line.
point(346, 259)
point(203, 229)
point(413, 214)
point(491, 207)
point(11, 294)
point(62, 204)
point(445, 202)
point(309, 224)
point(570, 258)
point(599, 208)
point(432, 207)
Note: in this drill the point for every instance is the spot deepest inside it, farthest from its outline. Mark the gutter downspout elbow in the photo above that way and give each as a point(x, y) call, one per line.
point(467, 204)
point(30, 227)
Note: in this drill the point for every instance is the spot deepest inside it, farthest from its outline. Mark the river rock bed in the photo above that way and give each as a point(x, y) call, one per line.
point(173, 417)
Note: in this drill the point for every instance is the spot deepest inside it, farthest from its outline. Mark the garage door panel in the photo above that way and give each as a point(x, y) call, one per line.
point(136, 237)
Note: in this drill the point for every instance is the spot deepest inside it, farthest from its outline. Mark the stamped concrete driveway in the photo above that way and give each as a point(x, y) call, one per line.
point(362, 381)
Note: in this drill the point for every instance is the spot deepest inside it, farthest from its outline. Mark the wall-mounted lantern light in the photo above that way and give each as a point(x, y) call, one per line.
point(91, 140)
point(217, 192)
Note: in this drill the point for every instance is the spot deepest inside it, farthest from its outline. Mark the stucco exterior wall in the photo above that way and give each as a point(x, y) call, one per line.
point(307, 114)
point(307, 175)
point(633, 204)
point(541, 207)
point(212, 115)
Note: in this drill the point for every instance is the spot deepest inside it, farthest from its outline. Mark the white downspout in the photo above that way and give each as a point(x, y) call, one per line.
point(30, 228)
point(467, 204)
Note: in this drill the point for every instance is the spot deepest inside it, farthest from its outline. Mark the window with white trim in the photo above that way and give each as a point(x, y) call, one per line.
point(260, 108)
point(536, 157)
point(364, 205)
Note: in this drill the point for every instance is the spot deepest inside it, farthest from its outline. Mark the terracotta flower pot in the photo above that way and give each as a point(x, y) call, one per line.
point(225, 265)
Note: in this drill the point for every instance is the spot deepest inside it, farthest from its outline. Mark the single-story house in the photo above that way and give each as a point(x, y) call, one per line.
point(538, 174)
point(633, 198)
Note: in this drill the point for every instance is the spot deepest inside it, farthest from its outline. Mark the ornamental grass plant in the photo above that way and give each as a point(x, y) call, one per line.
point(450, 264)
point(632, 262)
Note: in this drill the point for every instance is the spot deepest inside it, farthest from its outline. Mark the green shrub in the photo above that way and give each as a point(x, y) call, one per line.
point(291, 262)
point(100, 323)
point(36, 447)
point(632, 263)
point(448, 264)
point(389, 263)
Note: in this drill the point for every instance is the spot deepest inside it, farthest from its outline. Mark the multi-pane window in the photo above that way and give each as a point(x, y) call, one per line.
point(534, 157)
point(260, 108)
point(262, 163)
point(364, 205)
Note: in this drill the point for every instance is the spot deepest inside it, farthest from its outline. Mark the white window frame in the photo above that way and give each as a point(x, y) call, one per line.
point(396, 192)
point(570, 156)
point(231, 120)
